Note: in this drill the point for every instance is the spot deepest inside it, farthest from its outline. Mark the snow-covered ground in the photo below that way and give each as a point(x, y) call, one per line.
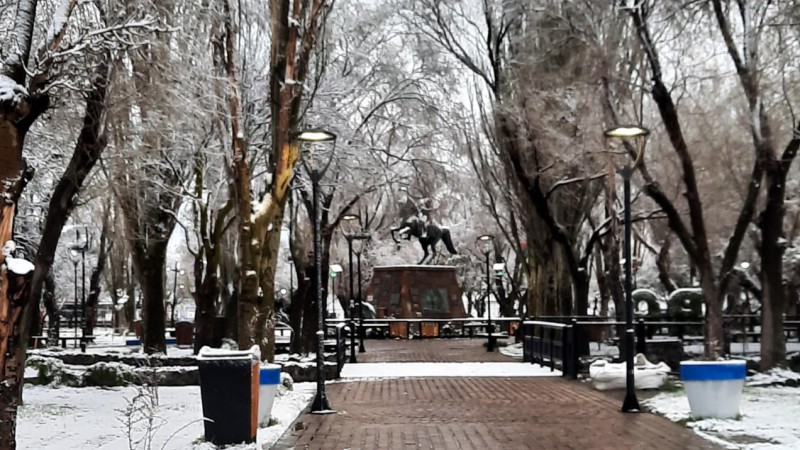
point(739, 348)
point(768, 418)
point(95, 418)
point(470, 369)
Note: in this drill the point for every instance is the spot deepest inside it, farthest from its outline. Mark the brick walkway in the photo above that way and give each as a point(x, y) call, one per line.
point(429, 350)
point(476, 413)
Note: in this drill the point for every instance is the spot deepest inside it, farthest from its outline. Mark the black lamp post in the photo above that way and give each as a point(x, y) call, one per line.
point(73, 253)
point(348, 222)
point(335, 270)
point(359, 249)
point(317, 136)
point(352, 228)
point(175, 271)
point(80, 247)
point(638, 133)
point(485, 244)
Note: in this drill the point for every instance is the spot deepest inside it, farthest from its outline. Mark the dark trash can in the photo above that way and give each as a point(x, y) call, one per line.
point(184, 333)
point(229, 391)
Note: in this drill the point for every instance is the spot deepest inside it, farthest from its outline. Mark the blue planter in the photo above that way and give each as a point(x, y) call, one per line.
point(714, 388)
point(269, 379)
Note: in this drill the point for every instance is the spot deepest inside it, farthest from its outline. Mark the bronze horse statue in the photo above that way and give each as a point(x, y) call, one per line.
point(428, 235)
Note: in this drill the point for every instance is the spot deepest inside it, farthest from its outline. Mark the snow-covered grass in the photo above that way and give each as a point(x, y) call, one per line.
point(775, 376)
point(768, 418)
point(93, 418)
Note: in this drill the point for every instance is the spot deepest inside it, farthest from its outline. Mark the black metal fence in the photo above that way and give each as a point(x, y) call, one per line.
point(550, 344)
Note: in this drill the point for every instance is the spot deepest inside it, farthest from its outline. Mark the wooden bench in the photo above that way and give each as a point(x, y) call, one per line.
point(738, 336)
point(38, 341)
point(83, 340)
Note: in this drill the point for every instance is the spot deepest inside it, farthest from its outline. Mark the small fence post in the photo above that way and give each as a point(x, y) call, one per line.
point(641, 336)
point(552, 345)
point(540, 346)
point(569, 354)
point(526, 342)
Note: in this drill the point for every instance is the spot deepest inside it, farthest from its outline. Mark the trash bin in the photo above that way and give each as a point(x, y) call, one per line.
point(184, 333)
point(229, 391)
point(269, 379)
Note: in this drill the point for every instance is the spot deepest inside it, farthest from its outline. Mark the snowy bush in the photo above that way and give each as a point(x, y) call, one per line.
point(108, 375)
point(52, 372)
point(650, 298)
point(229, 344)
point(287, 384)
point(685, 304)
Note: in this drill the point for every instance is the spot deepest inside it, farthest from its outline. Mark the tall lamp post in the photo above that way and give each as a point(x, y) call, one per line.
point(73, 254)
point(335, 270)
point(638, 134)
point(358, 248)
point(485, 243)
point(176, 270)
point(351, 224)
point(314, 137)
point(79, 248)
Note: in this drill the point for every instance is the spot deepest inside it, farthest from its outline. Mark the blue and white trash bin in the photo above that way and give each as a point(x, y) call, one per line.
point(268, 381)
point(714, 388)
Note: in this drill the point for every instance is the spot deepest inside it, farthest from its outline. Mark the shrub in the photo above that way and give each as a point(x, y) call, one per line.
point(108, 375)
point(653, 306)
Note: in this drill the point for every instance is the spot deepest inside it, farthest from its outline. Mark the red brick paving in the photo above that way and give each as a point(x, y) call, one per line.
point(476, 413)
point(429, 350)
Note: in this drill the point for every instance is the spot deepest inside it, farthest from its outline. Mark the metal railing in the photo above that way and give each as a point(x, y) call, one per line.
point(550, 344)
point(434, 328)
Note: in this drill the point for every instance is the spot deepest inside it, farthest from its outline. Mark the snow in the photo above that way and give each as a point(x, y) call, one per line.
point(10, 91)
point(606, 376)
point(774, 376)
point(60, 18)
point(78, 418)
point(19, 266)
point(768, 414)
point(471, 369)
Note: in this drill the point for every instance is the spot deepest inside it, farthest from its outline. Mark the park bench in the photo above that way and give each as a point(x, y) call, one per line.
point(471, 326)
point(746, 336)
point(82, 340)
point(378, 329)
point(38, 341)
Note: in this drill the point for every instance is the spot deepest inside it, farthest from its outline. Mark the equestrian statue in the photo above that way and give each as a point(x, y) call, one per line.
point(428, 235)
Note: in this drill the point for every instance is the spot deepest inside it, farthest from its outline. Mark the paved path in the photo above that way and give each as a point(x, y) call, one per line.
point(476, 413)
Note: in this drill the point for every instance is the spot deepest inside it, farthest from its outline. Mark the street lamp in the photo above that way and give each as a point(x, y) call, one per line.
point(176, 270)
point(358, 249)
point(79, 248)
point(73, 254)
point(485, 243)
point(335, 270)
point(318, 136)
point(638, 133)
point(351, 224)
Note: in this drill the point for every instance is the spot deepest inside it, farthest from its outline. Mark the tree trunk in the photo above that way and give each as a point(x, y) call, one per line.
point(602, 283)
point(714, 333)
point(15, 305)
point(663, 263)
point(303, 311)
point(14, 294)
point(50, 306)
point(94, 281)
point(206, 309)
point(580, 283)
point(773, 344)
point(151, 273)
